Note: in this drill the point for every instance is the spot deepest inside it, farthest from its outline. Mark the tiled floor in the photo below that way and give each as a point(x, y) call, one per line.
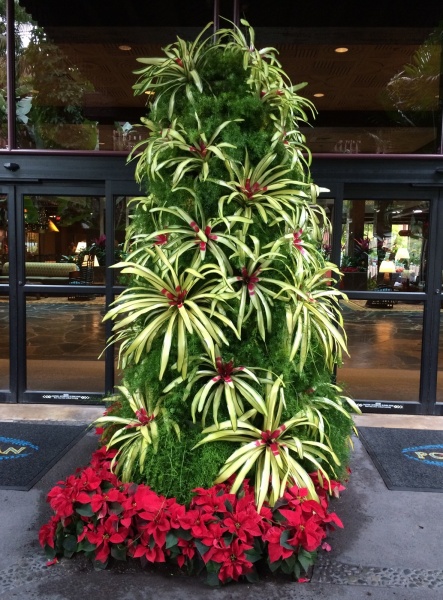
point(65, 338)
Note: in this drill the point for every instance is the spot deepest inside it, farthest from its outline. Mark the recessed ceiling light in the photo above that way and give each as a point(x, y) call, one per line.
point(319, 95)
point(341, 50)
point(124, 47)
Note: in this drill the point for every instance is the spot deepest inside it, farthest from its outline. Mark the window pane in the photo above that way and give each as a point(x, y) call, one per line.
point(385, 349)
point(380, 95)
point(63, 342)
point(4, 343)
point(68, 231)
point(384, 245)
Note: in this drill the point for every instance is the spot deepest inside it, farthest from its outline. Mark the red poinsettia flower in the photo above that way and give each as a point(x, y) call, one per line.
point(199, 527)
point(100, 502)
point(153, 555)
point(106, 532)
point(46, 535)
point(308, 535)
point(233, 560)
point(275, 550)
point(187, 549)
point(297, 498)
point(156, 524)
point(244, 523)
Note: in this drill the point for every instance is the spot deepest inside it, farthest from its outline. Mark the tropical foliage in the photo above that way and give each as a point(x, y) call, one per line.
point(231, 313)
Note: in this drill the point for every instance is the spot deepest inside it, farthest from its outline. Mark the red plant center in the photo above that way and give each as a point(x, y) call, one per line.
point(176, 299)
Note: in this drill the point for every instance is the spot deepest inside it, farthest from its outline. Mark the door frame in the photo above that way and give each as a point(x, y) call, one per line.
point(432, 297)
point(17, 288)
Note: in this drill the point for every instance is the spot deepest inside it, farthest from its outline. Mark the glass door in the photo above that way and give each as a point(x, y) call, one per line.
point(4, 297)
point(53, 293)
point(389, 276)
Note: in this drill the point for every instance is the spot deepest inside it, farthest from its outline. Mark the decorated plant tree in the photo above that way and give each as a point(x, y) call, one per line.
point(229, 330)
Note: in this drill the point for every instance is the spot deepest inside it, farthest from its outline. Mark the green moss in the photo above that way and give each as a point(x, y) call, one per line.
point(177, 469)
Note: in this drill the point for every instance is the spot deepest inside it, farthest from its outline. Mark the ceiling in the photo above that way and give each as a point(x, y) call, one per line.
point(381, 38)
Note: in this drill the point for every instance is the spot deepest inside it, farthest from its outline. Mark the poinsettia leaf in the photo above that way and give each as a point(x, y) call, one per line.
point(253, 556)
point(212, 566)
point(118, 552)
point(99, 566)
point(202, 548)
point(284, 539)
point(115, 508)
point(86, 546)
point(306, 559)
point(212, 579)
point(229, 506)
point(280, 502)
point(274, 566)
point(85, 510)
point(70, 543)
point(171, 540)
point(286, 569)
point(252, 577)
point(50, 553)
point(183, 534)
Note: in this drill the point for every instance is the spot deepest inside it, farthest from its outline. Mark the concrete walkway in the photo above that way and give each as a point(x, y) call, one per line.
point(391, 546)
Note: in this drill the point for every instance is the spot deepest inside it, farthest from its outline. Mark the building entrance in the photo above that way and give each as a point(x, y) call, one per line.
point(382, 241)
point(56, 241)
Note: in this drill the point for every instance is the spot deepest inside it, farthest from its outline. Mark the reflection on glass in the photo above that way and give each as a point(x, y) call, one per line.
point(75, 74)
point(65, 241)
point(4, 243)
point(384, 245)
point(63, 342)
point(385, 349)
point(124, 209)
point(4, 343)
point(439, 397)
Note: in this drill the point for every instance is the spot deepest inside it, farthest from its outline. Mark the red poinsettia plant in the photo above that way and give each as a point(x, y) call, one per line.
point(219, 532)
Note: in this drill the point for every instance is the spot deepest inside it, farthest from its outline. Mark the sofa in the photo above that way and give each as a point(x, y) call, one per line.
point(48, 273)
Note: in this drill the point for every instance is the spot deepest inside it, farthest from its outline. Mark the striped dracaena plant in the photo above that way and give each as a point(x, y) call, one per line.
point(266, 191)
point(303, 249)
point(272, 452)
point(137, 435)
point(259, 282)
point(171, 303)
point(196, 233)
point(179, 69)
point(314, 314)
point(317, 406)
point(223, 382)
point(293, 141)
point(184, 154)
point(196, 153)
point(263, 66)
point(266, 76)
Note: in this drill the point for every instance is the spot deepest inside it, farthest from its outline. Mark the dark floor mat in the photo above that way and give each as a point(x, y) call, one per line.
point(407, 459)
point(29, 450)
